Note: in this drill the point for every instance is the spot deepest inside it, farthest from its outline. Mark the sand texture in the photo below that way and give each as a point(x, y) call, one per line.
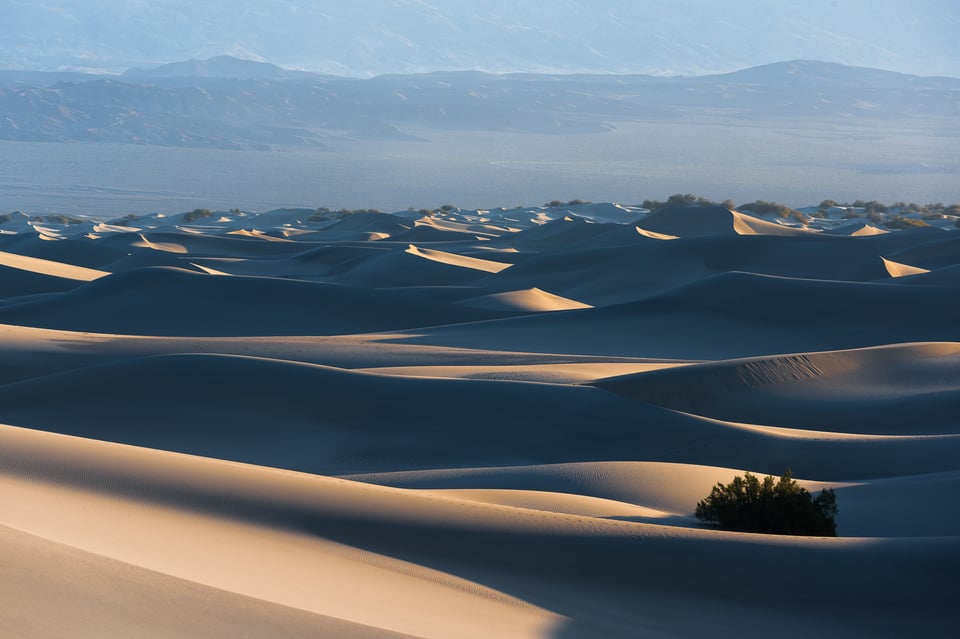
point(473, 424)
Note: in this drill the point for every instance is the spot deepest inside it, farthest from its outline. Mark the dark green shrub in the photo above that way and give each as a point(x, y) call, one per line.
point(772, 506)
point(197, 214)
point(903, 223)
point(762, 207)
point(59, 219)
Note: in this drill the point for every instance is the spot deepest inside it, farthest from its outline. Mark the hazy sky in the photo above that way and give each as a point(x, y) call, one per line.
point(363, 37)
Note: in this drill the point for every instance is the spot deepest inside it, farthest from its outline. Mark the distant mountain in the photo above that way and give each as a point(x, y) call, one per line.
point(819, 74)
point(688, 37)
point(236, 104)
point(223, 66)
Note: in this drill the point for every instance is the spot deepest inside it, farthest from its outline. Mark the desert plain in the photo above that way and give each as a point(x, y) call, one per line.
point(473, 423)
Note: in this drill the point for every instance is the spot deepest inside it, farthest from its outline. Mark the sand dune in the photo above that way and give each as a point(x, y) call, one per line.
point(697, 221)
point(554, 373)
point(477, 264)
point(314, 422)
point(531, 300)
point(928, 250)
point(34, 352)
point(195, 244)
point(263, 521)
point(17, 282)
point(614, 274)
point(51, 268)
point(137, 302)
point(896, 269)
point(905, 390)
point(841, 314)
point(489, 423)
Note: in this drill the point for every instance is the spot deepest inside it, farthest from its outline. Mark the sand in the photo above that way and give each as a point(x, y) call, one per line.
point(490, 423)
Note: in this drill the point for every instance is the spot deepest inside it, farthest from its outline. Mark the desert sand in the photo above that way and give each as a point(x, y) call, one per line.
point(484, 423)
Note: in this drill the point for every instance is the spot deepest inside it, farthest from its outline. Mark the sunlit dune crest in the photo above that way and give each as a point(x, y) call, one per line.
point(487, 266)
point(896, 269)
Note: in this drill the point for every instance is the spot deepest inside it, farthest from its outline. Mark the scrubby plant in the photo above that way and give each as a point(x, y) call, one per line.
point(126, 220)
point(871, 206)
point(903, 223)
point(688, 199)
point(772, 506)
point(59, 219)
point(762, 207)
point(197, 214)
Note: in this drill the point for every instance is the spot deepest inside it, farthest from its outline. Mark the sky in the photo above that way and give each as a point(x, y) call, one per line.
point(369, 37)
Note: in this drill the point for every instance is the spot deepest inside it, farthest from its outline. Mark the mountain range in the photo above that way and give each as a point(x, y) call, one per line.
point(230, 103)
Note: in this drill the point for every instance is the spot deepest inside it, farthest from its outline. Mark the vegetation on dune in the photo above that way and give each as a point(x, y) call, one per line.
point(555, 204)
point(678, 199)
point(59, 219)
point(772, 506)
point(197, 214)
point(684, 199)
point(874, 211)
point(902, 223)
point(126, 220)
point(5, 218)
point(763, 207)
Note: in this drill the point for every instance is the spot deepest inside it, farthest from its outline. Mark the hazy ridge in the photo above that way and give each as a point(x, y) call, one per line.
point(232, 104)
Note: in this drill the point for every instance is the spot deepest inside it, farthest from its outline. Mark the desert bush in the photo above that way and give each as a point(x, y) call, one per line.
point(772, 506)
point(902, 223)
point(552, 204)
point(871, 207)
point(5, 218)
point(762, 207)
point(681, 199)
point(197, 214)
point(126, 220)
point(60, 219)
